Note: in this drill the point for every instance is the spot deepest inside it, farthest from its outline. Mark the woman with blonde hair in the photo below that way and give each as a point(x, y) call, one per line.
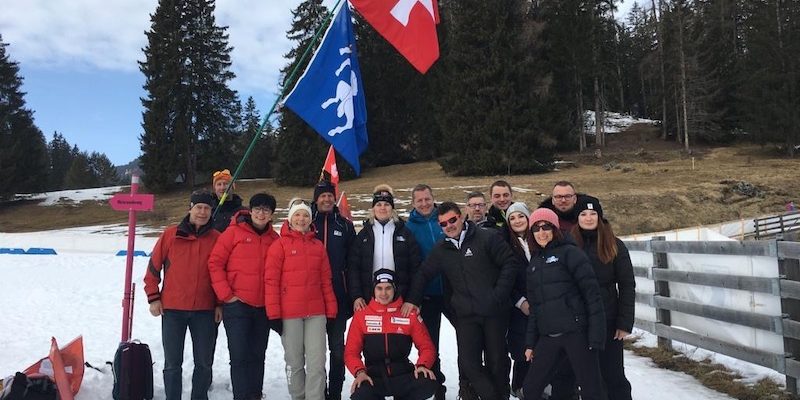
point(383, 243)
point(299, 291)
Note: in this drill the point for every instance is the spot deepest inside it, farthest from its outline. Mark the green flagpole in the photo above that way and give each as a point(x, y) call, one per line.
point(287, 84)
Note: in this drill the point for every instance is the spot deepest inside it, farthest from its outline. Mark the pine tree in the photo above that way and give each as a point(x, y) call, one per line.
point(259, 164)
point(61, 156)
point(103, 170)
point(80, 174)
point(23, 149)
point(165, 125)
point(292, 168)
point(191, 114)
point(215, 109)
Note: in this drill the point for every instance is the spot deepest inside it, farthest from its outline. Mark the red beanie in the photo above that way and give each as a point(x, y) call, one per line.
point(544, 214)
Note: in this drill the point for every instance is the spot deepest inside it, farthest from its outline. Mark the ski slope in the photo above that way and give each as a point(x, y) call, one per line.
point(79, 292)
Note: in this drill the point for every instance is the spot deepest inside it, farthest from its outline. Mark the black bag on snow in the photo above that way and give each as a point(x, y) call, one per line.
point(25, 388)
point(133, 372)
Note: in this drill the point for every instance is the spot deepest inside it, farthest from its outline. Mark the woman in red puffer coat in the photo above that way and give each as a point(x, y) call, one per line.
point(236, 266)
point(299, 291)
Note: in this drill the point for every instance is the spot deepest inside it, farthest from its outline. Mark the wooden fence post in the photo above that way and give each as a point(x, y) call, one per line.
point(789, 269)
point(663, 316)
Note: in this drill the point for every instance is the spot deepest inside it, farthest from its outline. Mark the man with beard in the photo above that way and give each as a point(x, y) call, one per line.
point(563, 203)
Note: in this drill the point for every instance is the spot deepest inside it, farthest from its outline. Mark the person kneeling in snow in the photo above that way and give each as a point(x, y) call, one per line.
point(385, 336)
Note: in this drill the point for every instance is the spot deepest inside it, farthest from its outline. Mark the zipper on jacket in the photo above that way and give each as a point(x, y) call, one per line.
point(386, 359)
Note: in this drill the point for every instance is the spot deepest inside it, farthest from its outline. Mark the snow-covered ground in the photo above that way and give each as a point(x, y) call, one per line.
point(74, 196)
point(79, 292)
point(614, 122)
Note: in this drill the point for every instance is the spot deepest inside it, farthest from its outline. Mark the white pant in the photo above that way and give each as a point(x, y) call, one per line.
point(305, 354)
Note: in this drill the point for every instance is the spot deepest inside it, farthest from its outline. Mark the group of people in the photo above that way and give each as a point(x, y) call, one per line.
point(551, 289)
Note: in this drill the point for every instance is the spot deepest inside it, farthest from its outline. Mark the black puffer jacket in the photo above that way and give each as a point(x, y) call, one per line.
point(222, 214)
point(617, 284)
point(406, 260)
point(337, 234)
point(563, 295)
point(480, 275)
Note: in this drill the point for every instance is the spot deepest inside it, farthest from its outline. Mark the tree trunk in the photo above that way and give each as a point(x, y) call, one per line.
point(660, 39)
point(620, 84)
point(643, 111)
point(678, 130)
point(598, 114)
point(683, 81)
point(579, 110)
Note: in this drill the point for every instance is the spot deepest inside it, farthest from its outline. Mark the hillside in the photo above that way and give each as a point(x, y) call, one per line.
point(645, 184)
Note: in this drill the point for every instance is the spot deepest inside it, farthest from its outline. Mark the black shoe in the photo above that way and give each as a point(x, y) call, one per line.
point(440, 391)
point(466, 392)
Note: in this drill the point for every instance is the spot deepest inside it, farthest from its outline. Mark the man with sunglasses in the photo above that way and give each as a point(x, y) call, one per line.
point(476, 209)
point(223, 213)
point(479, 268)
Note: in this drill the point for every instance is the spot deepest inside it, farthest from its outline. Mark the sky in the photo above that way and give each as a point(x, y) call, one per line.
point(78, 60)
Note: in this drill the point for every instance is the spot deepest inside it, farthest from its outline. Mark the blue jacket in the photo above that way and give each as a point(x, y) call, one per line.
point(337, 234)
point(427, 232)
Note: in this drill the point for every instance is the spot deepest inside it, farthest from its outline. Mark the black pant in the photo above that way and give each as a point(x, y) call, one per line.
point(402, 387)
point(517, 326)
point(612, 367)
point(431, 311)
point(336, 328)
point(248, 334)
point(482, 338)
point(550, 351)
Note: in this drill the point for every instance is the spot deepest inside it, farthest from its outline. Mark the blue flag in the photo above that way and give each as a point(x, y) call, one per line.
point(329, 96)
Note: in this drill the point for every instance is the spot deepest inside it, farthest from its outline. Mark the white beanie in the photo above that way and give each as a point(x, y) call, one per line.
point(519, 207)
point(297, 204)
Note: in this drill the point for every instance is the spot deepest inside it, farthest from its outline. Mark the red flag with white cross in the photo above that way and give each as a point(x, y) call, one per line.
point(409, 25)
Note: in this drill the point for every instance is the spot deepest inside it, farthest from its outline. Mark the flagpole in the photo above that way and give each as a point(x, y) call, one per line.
point(287, 83)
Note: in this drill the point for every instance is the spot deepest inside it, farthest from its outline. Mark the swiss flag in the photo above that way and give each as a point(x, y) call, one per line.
point(409, 25)
point(344, 207)
point(330, 167)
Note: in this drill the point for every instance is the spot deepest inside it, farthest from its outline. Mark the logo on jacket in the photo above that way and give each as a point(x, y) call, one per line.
point(337, 233)
point(294, 252)
point(401, 321)
point(551, 260)
point(248, 240)
point(468, 253)
point(401, 239)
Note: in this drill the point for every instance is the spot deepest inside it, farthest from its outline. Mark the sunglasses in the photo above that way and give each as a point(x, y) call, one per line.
point(543, 227)
point(452, 220)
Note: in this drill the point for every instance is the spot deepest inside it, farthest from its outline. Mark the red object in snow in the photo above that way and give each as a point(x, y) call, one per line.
point(64, 366)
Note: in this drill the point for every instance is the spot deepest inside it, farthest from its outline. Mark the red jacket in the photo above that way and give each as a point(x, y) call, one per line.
point(385, 337)
point(182, 254)
point(297, 278)
point(237, 262)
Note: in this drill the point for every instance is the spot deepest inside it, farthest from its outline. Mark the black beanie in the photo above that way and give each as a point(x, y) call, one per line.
point(383, 275)
point(263, 200)
point(586, 202)
point(202, 197)
point(382, 195)
point(323, 187)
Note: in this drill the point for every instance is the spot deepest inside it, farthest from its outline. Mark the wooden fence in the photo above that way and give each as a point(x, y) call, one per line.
point(786, 286)
point(777, 226)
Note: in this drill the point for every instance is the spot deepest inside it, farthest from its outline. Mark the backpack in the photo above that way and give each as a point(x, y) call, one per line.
point(27, 388)
point(133, 372)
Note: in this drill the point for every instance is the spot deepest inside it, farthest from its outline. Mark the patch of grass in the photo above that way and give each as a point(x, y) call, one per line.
point(715, 376)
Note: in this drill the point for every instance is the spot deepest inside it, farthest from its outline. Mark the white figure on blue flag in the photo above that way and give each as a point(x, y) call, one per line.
point(329, 95)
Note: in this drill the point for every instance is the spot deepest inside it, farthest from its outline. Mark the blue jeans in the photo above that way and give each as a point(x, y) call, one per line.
point(173, 334)
point(248, 334)
point(336, 328)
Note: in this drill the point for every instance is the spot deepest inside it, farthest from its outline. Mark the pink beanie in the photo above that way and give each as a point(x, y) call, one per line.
point(544, 214)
